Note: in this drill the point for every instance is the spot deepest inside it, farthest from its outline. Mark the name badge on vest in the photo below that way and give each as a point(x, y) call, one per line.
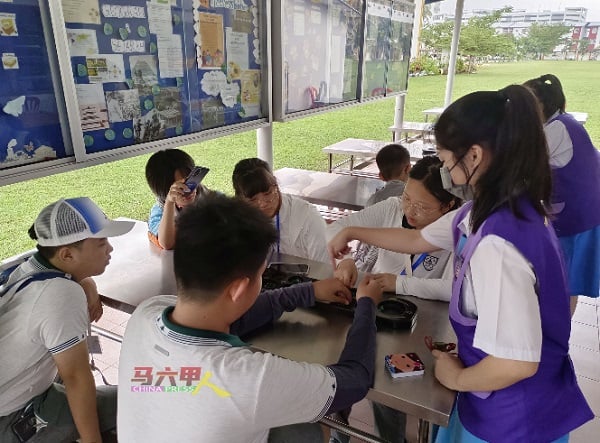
point(458, 258)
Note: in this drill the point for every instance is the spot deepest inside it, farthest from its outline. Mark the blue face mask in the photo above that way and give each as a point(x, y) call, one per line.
point(464, 192)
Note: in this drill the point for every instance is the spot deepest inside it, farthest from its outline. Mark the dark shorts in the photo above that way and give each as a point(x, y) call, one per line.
point(55, 423)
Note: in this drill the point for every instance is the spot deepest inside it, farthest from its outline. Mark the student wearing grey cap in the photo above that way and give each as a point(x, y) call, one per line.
point(43, 326)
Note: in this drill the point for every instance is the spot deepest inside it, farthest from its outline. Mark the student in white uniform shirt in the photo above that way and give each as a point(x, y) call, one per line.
point(300, 227)
point(185, 375)
point(424, 200)
point(510, 304)
point(427, 275)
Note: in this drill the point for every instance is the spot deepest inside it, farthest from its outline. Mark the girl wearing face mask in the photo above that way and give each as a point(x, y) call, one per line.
point(426, 275)
point(510, 304)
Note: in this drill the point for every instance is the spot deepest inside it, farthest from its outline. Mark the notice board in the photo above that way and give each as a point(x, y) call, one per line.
point(332, 53)
point(143, 71)
point(388, 34)
point(31, 126)
point(87, 81)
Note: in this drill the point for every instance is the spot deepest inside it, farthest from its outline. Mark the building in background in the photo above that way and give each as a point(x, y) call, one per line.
point(588, 33)
point(582, 41)
point(518, 21)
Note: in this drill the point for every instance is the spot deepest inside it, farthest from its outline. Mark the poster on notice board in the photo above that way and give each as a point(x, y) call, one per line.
point(147, 70)
point(30, 125)
point(320, 52)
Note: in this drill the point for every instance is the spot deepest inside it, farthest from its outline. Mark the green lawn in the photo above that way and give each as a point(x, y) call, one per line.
point(120, 188)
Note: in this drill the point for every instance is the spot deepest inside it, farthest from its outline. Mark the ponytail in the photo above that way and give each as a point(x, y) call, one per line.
point(549, 92)
point(507, 124)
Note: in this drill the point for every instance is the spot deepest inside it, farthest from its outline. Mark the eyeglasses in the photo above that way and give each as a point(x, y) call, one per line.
point(417, 208)
point(265, 198)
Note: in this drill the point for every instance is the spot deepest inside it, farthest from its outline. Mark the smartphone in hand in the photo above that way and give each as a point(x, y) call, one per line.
point(195, 178)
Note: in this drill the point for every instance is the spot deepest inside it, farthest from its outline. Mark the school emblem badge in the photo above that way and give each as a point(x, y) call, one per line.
point(430, 262)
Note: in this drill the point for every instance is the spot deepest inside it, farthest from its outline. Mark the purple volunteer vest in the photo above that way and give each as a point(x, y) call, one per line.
point(577, 185)
point(549, 404)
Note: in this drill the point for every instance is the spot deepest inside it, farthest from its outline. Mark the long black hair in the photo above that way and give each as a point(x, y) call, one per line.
point(549, 92)
point(508, 125)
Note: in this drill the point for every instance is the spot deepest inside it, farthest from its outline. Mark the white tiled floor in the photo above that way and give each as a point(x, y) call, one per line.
point(584, 346)
point(585, 352)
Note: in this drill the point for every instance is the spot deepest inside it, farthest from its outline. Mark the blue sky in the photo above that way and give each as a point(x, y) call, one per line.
point(593, 6)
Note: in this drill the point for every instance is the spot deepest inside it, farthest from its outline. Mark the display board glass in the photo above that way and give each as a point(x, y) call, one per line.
point(389, 25)
point(144, 70)
point(401, 31)
point(328, 53)
point(31, 127)
point(320, 46)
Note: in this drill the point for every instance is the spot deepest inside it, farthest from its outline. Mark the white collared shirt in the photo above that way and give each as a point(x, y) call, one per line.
point(301, 229)
point(432, 279)
point(560, 145)
point(499, 290)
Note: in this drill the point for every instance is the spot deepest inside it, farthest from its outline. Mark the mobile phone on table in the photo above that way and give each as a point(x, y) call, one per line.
point(291, 268)
point(195, 177)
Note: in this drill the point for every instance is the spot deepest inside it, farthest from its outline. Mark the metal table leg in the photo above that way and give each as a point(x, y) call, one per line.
point(423, 431)
point(349, 430)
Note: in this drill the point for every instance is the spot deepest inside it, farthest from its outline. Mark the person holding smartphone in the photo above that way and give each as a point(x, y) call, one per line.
point(168, 175)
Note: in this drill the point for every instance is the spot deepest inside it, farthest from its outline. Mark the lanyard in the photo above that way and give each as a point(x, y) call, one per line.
point(416, 264)
point(461, 243)
point(278, 233)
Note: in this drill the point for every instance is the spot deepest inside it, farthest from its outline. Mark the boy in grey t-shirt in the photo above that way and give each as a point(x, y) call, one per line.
point(393, 162)
point(44, 321)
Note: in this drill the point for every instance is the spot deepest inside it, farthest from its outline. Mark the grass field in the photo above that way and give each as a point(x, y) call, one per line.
point(120, 187)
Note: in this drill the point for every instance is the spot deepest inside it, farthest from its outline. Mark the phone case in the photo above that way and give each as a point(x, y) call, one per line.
point(25, 426)
point(195, 178)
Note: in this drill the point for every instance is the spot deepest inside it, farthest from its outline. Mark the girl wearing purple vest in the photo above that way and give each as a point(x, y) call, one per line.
point(510, 304)
point(575, 164)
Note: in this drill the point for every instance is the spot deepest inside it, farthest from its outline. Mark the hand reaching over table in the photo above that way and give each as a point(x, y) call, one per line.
point(370, 287)
point(338, 246)
point(332, 290)
point(346, 272)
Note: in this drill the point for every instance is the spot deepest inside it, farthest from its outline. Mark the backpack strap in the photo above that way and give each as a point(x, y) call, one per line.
point(8, 290)
point(5, 274)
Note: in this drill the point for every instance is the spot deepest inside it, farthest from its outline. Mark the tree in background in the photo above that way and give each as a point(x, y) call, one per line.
point(477, 38)
point(566, 43)
point(583, 48)
point(542, 39)
point(438, 36)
